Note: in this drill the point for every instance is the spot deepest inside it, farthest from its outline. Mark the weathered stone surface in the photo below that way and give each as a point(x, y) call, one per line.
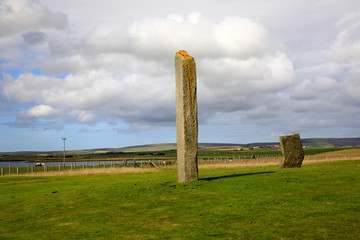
point(186, 117)
point(292, 150)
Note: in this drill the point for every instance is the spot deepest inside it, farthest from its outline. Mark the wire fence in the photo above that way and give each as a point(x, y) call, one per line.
point(13, 170)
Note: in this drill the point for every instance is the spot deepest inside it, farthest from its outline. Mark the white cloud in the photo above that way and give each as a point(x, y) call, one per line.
point(20, 15)
point(41, 111)
point(346, 47)
point(281, 67)
point(129, 74)
point(243, 38)
point(28, 87)
point(345, 51)
point(325, 84)
point(30, 116)
point(157, 37)
point(26, 29)
point(80, 116)
point(351, 86)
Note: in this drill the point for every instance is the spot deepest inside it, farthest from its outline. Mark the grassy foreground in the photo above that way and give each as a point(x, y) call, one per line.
point(317, 201)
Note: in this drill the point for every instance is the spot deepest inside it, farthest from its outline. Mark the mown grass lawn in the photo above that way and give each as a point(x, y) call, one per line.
point(317, 201)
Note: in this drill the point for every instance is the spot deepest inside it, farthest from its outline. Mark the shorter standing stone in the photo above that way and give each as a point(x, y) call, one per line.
point(292, 150)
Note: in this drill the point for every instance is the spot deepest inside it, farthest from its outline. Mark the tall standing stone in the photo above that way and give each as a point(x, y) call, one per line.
point(292, 150)
point(186, 117)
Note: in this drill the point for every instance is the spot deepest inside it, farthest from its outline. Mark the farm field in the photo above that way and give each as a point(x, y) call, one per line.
point(169, 152)
point(229, 156)
point(317, 201)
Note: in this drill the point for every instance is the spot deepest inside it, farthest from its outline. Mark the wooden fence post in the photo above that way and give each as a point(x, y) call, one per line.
point(17, 170)
point(2, 171)
point(9, 169)
point(59, 167)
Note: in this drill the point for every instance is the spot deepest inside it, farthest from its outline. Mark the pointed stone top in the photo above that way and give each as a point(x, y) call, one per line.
point(183, 54)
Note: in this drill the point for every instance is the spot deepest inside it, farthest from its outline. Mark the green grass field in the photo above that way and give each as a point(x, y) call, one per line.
point(317, 201)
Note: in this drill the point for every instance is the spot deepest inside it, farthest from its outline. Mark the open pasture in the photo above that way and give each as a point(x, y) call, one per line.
point(317, 201)
point(213, 159)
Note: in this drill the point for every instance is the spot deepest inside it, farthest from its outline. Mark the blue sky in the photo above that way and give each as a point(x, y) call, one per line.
point(101, 73)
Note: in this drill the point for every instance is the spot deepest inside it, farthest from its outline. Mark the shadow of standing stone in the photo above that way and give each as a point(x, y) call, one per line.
point(292, 150)
point(186, 117)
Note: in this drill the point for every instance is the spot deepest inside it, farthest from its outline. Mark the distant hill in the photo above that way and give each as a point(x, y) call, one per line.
point(320, 142)
point(308, 142)
point(331, 142)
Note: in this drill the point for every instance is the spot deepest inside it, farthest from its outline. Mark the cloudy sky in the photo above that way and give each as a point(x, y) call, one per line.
point(101, 73)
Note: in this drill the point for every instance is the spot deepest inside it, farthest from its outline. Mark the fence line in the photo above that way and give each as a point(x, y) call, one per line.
point(269, 159)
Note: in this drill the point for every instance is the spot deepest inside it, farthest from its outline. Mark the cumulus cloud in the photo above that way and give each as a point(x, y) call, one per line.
point(351, 87)
point(241, 37)
point(127, 74)
point(29, 87)
point(115, 68)
point(346, 47)
point(26, 28)
point(345, 51)
point(156, 38)
point(87, 94)
point(325, 93)
point(41, 111)
point(20, 15)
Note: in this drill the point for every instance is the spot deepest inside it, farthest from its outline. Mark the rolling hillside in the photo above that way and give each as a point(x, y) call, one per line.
point(309, 142)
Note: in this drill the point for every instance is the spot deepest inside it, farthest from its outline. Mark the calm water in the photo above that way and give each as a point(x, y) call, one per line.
point(25, 164)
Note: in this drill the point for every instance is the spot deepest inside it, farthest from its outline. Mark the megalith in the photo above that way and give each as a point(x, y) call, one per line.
point(292, 150)
point(186, 117)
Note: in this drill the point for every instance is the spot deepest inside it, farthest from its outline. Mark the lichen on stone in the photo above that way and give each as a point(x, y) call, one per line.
point(293, 152)
point(184, 54)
